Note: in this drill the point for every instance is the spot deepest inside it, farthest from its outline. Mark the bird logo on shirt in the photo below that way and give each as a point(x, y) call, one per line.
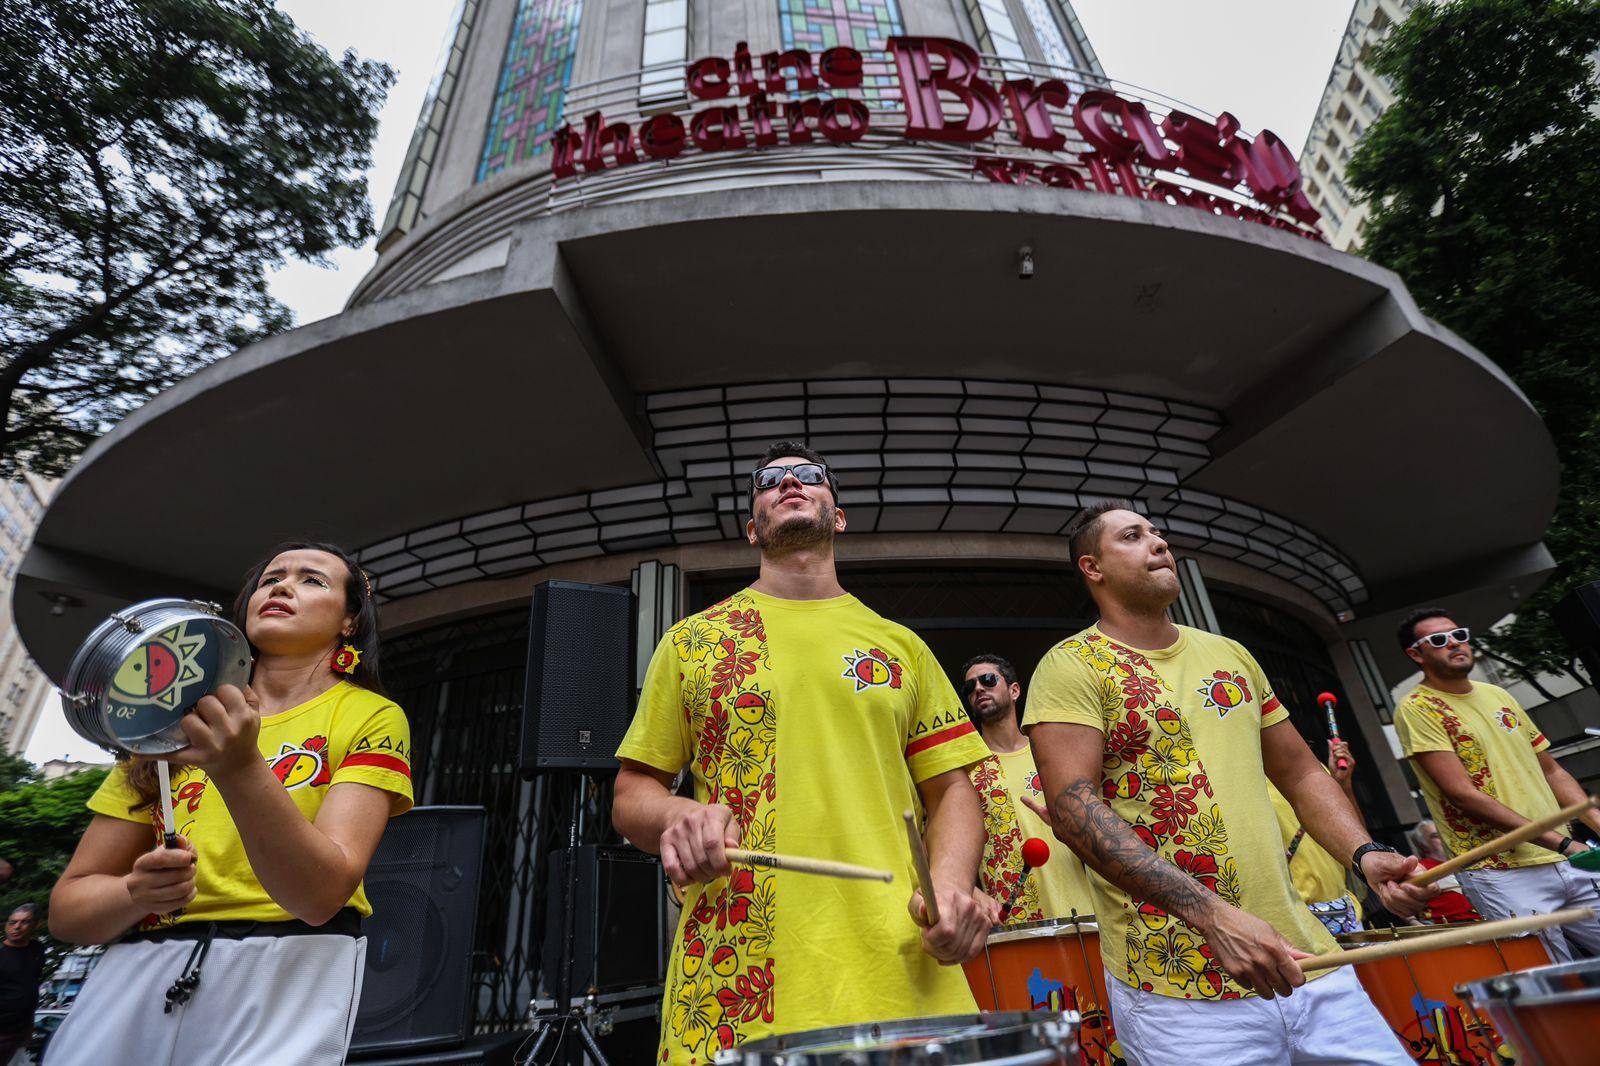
point(302, 766)
point(869, 669)
point(1223, 691)
point(1508, 720)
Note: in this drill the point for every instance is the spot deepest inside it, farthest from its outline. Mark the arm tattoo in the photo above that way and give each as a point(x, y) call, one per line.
point(1087, 824)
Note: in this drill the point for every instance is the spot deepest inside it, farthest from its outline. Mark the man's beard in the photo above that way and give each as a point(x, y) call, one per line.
point(995, 710)
point(795, 533)
point(1454, 671)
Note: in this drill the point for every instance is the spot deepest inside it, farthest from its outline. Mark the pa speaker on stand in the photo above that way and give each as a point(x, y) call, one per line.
point(578, 703)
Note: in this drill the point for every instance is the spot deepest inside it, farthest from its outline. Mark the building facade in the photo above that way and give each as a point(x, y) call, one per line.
point(24, 688)
point(633, 244)
point(1351, 102)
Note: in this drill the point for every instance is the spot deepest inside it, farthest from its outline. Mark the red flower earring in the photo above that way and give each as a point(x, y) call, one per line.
point(345, 659)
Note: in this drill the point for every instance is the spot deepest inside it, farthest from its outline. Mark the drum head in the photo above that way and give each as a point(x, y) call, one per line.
point(1023, 1038)
point(139, 673)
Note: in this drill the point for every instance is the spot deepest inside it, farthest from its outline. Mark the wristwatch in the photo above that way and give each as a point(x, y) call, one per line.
point(1369, 846)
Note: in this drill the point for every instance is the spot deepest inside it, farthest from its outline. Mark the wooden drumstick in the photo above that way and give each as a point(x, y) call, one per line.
point(1466, 934)
point(1504, 842)
point(919, 858)
point(800, 865)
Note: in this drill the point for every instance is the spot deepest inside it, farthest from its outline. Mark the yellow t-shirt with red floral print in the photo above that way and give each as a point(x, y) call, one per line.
point(1183, 767)
point(1498, 746)
point(814, 720)
point(345, 734)
point(1055, 890)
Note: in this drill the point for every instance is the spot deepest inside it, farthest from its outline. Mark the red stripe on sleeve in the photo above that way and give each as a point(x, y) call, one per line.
point(381, 761)
point(935, 739)
point(1270, 706)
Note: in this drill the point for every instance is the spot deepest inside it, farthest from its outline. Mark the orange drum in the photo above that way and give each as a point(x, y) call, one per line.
point(1550, 1015)
point(1049, 965)
point(1416, 993)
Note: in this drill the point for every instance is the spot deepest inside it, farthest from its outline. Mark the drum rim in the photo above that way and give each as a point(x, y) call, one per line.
point(994, 1023)
point(108, 645)
point(1048, 928)
point(1482, 991)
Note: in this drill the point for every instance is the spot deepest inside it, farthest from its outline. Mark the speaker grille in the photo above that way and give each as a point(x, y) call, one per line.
point(579, 696)
point(423, 886)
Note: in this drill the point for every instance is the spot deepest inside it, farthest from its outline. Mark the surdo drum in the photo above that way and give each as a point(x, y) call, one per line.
point(1013, 1038)
point(145, 667)
point(1551, 1015)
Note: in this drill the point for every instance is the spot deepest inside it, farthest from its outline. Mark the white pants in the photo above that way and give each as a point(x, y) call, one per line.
point(1551, 886)
point(1328, 1020)
point(261, 1001)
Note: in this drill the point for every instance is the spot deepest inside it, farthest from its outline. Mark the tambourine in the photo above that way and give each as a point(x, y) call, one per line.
point(145, 667)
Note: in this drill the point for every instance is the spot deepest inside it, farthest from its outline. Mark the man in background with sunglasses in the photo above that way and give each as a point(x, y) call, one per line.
point(1485, 769)
point(809, 724)
point(1013, 805)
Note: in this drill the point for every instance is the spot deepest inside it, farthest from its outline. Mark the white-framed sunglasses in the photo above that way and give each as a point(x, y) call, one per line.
point(1463, 635)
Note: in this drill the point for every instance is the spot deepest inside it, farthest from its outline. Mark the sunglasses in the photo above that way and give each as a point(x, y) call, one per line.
point(986, 680)
point(769, 477)
point(1441, 640)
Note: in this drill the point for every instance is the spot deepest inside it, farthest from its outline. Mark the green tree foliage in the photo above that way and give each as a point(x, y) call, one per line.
point(40, 823)
point(1485, 183)
point(157, 157)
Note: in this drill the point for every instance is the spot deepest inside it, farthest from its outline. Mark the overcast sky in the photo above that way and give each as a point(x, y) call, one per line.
point(1264, 60)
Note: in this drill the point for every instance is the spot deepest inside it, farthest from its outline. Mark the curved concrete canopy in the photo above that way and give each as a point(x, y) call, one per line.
point(525, 382)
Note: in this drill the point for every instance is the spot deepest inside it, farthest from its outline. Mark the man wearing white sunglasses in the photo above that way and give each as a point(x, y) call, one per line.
point(1485, 768)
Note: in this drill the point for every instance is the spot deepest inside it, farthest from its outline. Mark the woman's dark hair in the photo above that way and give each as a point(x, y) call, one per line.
point(357, 601)
point(364, 638)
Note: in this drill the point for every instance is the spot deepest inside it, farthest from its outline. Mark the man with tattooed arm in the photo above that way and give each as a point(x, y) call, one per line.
point(1155, 743)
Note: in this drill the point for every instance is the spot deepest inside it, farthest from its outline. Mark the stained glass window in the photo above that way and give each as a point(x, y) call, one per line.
point(533, 83)
point(865, 25)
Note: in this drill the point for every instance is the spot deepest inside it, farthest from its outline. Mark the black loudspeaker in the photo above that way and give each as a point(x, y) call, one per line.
point(423, 886)
point(579, 698)
point(1577, 615)
point(618, 913)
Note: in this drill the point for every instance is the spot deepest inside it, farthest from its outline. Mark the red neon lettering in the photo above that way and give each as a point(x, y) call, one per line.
point(565, 144)
point(797, 113)
point(1030, 121)
point(708, 78)
point(920, 86)
point(797, 60)
point(726, 134)
point(597, 137)
point(841, 67)
point(760, 113)
point(661, 136)
point(844, 120)
point(1204, 148)
point(743, 70)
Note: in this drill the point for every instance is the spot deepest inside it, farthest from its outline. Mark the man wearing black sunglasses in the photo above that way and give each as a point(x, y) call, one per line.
point(809, 724)
point(1008, 787)
point(1485, 768)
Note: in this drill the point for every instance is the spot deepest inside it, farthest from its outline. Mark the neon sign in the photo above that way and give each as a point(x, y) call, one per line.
point(945, 98)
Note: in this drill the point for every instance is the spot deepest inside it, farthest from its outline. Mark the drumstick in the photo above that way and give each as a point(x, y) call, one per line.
point(1504, 842)
point(801, 865)
point(1465, 934)
point(919, 858)
point(169, 831)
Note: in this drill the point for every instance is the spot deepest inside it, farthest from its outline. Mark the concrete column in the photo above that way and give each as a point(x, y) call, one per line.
point(658, 594)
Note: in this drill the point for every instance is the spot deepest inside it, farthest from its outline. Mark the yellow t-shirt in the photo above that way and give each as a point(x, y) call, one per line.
point(1318, 876)
point(1182, 766)
point(1498, 744)
point(345, 734)
point(813, 720)
point(1054, 890)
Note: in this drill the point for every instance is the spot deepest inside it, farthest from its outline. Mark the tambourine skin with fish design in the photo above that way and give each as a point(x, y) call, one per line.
point(145, 667)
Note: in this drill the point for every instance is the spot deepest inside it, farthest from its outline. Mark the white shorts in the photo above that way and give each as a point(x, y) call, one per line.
point(261, 1001)
point(1551, 886)
point(1326, 1021)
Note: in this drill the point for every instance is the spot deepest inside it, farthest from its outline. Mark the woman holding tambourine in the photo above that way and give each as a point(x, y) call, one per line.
point(241, 943)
